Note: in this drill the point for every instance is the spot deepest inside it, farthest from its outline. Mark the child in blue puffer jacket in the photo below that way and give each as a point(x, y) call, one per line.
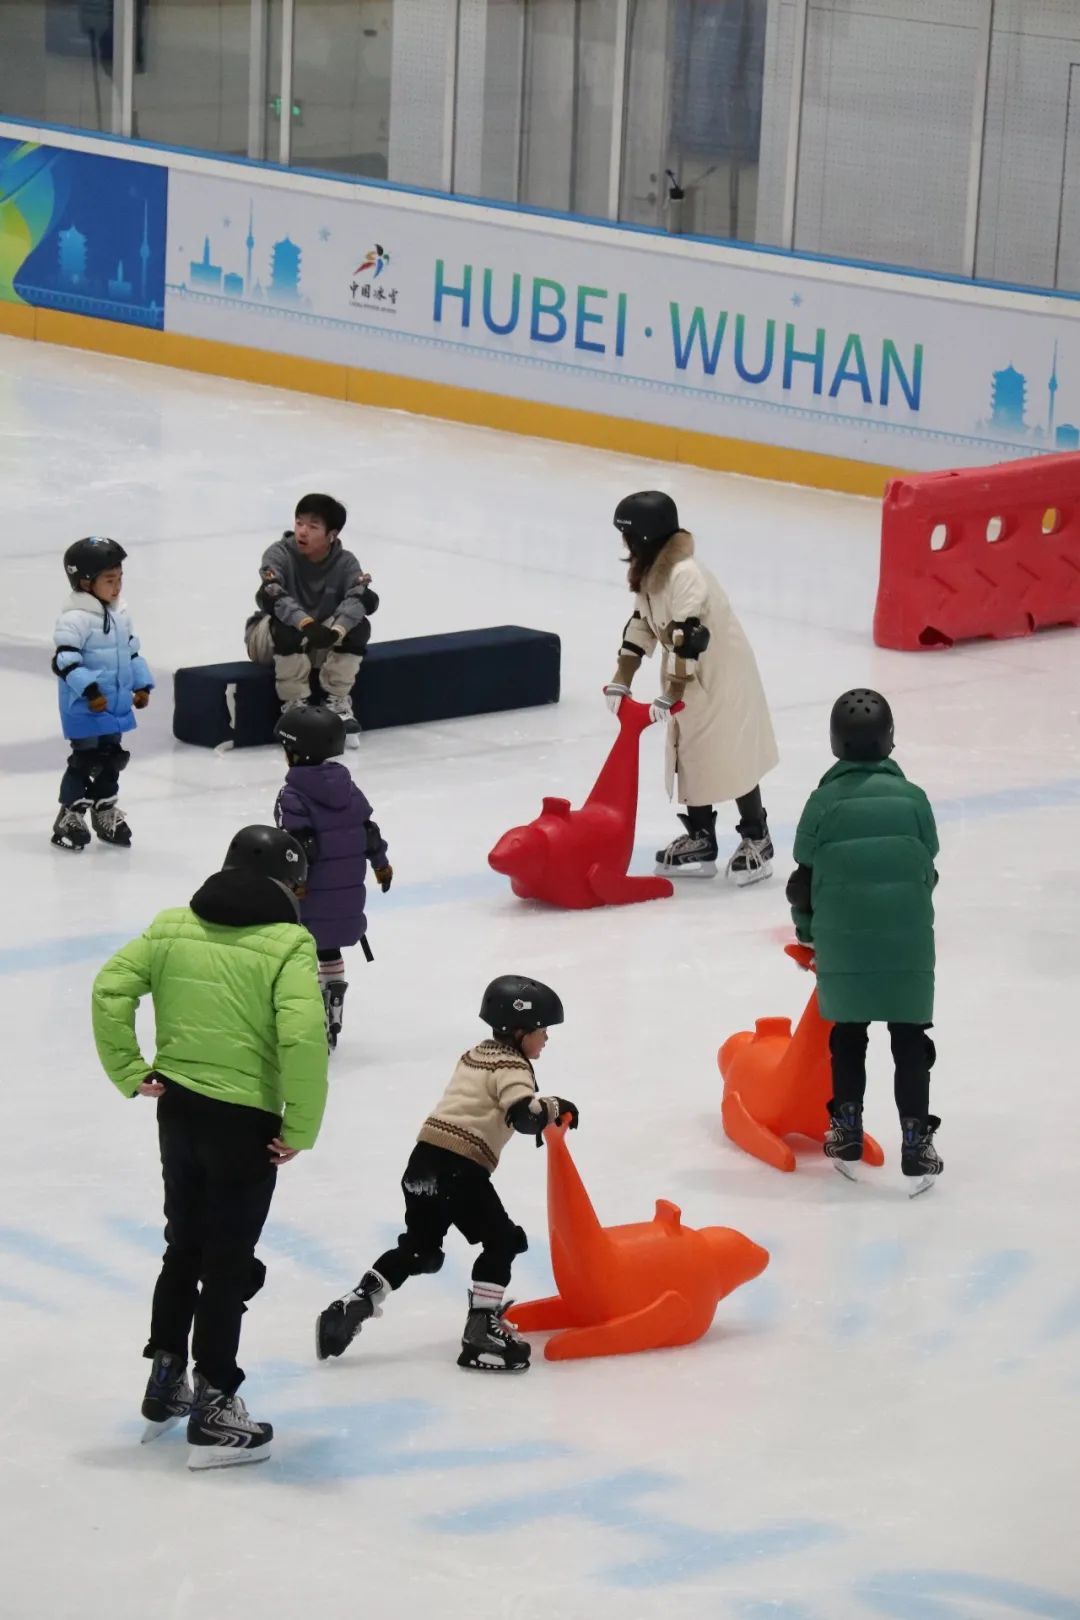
point(322, 806)
point(103, 677)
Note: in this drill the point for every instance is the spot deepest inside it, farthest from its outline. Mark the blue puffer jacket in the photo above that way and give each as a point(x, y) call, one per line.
point(324, 801)
point(95, 644)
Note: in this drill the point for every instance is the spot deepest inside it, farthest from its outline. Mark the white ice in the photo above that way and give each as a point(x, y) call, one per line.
point(885, 1424)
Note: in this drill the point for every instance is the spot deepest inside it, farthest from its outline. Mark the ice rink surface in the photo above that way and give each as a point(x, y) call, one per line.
point(884, 1424)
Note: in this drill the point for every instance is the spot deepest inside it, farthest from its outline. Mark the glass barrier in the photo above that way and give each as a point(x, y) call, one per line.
point(694, 92)
point(1029, 200)
point(929, 135)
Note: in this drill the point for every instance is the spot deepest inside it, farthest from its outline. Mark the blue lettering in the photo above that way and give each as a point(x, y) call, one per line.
point(814, 357)
point(710, 352)
point(552, 310)
point(588, 317)
point(502, 327)
point(770, 344)
point(911, 388)
point(853, 350)
point(464, 292)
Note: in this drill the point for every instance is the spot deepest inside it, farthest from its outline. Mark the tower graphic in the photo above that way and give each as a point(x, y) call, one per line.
point(1053, 388)
point(285, 272)
point(1009, 400)
point(203, 272)
point(250, 243)
point(72, 251)
point(144, 252)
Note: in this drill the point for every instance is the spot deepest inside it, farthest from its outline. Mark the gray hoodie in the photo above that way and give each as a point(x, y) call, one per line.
point(294, 588)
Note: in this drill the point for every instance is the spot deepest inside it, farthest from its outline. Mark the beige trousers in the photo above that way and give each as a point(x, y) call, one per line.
point(292, 671)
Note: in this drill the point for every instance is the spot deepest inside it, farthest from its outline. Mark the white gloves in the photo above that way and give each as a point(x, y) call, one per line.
point(660, 710)
point(614, 693)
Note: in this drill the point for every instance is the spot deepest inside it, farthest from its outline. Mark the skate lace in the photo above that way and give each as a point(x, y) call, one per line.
point(686, 844)
point(110, 816)
point(749, 855)
point(499, 1325)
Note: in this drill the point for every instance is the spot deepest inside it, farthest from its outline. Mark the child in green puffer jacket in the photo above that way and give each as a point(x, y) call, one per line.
point(861, 894)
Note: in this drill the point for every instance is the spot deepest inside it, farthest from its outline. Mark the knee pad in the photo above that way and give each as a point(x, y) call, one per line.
point(111, 757)
point(256, 1279)
point(931, 1052)
point(421, 1262)
point(85, 764)
point(356, 640)
point(285, 638)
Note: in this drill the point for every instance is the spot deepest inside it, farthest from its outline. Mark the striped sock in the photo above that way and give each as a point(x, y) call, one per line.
point(329, 971)
point(486, 1296)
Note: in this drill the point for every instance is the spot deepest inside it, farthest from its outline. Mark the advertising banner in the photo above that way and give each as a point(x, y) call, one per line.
point(82, 233)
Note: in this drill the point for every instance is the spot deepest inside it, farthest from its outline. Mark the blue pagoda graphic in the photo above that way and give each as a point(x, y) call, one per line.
point(1009, 407)
point(71, 246)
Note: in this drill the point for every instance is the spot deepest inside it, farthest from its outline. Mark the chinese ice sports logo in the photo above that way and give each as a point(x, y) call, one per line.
point(376, 260)
point(366, 290)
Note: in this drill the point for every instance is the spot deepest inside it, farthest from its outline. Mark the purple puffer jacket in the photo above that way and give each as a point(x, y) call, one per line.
point(324, 800)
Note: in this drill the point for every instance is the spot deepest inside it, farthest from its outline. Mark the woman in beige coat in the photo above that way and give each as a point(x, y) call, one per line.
point(721, 743)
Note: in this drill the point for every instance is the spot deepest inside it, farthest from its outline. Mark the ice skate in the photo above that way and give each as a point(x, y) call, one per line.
point(221, 1433)
point(918, 1155)
point(168, 1395)
point(490, 1343)
point(692, 854)
point(342, 707)
point(69, 829)
point(107, 820)
point(334, 1002)
point(844, 1139)
point(338, 1325)
point(751, 862)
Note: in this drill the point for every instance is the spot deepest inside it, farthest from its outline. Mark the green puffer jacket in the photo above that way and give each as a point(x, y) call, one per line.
point(869, 837)
point(237, 1004)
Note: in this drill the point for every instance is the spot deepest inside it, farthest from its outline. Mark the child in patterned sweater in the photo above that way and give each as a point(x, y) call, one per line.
point(447, 1182)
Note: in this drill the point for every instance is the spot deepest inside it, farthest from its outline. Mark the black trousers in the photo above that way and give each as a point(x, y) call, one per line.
point(443, 1190)
point(913, 1056)
point(288, 639)
point(752, 823)
point(218, 1185)
point(93, 769)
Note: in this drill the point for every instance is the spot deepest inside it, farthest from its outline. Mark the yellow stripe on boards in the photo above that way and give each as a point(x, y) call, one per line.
point(451, 404)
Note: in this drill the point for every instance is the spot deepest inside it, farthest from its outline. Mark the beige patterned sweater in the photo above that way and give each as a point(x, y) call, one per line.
point(470, 1118)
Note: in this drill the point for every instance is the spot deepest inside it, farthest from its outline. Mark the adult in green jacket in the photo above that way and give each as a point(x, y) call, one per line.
point(862, 895)
point(239, 1075)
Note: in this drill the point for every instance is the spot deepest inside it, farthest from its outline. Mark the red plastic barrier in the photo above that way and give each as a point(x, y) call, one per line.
point(983, 551)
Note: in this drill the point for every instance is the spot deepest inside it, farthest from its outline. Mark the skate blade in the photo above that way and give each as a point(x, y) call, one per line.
point(744, 879)
point(154, 1431)
point(490, 1364)
point(201, 1458)
point(846, 1168)
point(699, 869)
point(62, 843)
point(924, 1186)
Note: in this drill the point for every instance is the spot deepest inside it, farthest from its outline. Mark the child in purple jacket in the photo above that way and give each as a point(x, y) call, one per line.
point(322, 806)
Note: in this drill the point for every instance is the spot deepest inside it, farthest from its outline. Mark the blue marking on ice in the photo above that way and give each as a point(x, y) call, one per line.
point(56, 1256)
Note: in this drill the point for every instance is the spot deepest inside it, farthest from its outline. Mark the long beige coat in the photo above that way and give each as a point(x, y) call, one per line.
point(722, 743)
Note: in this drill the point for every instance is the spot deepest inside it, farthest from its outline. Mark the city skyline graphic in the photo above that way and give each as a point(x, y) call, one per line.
point(1009, 407)
point(282, 287)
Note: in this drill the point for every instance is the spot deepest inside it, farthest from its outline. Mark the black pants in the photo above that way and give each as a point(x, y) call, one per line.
point(93, 769)
point(443, 1190)
point(913, 1055)
point(218, 1185)
point(752, 822)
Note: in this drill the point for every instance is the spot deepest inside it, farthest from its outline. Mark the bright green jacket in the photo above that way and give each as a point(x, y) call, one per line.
point(868, 835)
point(238, 1011)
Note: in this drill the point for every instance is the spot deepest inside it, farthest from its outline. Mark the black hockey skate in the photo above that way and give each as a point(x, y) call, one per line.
point(221, 1433)
point(490, 1343)
point(692, 854)
point(69, 829)
point(168, 1395)
point(918, 1155)
point(844, 1137)
point(107, 820)
point(338, 1325)
point(751, 862)
point(334, 1002)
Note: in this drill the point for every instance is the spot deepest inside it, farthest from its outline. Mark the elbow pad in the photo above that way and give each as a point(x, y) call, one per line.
point(689, 637)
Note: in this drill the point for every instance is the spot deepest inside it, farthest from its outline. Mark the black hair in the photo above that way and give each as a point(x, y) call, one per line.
point(324, 507)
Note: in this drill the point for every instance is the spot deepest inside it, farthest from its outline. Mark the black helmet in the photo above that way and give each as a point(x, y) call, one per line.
point(647, 519)
point(88, 558)
point(861, 726)
point(511, 1002)
point(269, 852)
point(312, 734)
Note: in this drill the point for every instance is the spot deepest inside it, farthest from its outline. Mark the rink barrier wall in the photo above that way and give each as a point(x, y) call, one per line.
point(448, 403)
point(736, 357)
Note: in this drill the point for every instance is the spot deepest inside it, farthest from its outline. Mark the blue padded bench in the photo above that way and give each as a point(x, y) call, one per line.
point(400, 683)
